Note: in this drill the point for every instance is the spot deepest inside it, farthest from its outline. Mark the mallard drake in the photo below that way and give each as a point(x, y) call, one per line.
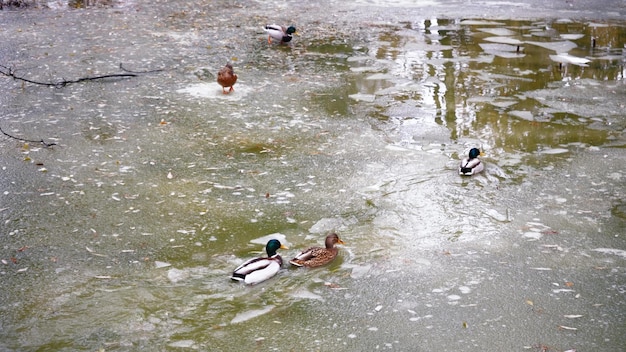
point(471, 165)
point(257, 270)
point(226, 77)
point(318, 256)
point(280, 33)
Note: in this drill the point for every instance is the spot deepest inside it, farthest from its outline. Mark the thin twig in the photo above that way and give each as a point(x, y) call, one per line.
point(47, 145)
point(10, 73)
point(7, 71)
point(139, 72)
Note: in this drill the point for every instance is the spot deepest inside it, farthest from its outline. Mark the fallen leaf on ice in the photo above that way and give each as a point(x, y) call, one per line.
point(563, 327)
point(94, 253)
point(618, 252)
point(569, 59)
point(562, 290)
point(159, 264)
point(553, 246)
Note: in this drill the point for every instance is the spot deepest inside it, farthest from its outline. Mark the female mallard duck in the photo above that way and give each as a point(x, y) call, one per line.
point(471, 164)
point(280, 33)
point(318, 256)
point(226, 77)
point(257, 270)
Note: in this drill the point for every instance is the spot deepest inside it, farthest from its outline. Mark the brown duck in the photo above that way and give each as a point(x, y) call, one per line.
point(317, 256)
point(226, 77)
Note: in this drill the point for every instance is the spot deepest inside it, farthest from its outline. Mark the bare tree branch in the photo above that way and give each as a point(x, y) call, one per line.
point(7, 71)
point(47, 145)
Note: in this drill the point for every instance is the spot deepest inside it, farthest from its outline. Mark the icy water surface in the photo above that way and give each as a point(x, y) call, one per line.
point(122, 236)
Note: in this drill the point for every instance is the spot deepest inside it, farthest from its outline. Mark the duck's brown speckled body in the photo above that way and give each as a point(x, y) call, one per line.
point(317, 256)
point(226, 77)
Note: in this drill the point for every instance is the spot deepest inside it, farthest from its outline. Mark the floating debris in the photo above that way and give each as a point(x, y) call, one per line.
point(569, 59)
point(251, 314)
point(554, 151)
point(176, 275)
point(368, 98)
point(497, 31)
point(614, 251)
point(159, 264)
point(504, 40)
point(182, 344)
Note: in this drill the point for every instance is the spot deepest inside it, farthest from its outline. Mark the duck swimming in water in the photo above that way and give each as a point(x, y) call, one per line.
point(257, 270)
point(317, 256)
point(471, 165)
point(279, 33)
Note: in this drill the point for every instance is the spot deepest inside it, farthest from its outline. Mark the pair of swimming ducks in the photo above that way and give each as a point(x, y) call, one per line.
point(226, 76)
point(257, 270)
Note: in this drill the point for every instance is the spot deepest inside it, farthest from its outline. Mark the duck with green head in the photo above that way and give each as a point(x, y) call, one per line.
point(256, 270)
point(280, 33)
point(471, 165)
